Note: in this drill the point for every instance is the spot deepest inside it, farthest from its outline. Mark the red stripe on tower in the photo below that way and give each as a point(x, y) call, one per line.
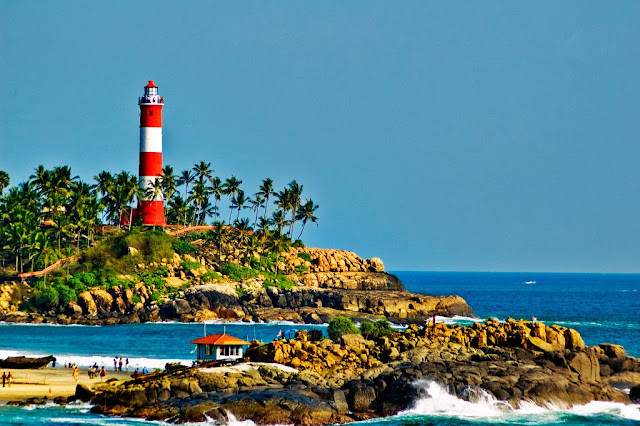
point(150, 207)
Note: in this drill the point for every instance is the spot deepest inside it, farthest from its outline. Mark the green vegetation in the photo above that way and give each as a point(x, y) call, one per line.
point(189, 265)
point(372, 330)
point(55, 214)
point(238, 273)
point(210, 276)
point(305, 256)
point(184, 247)
point(339, 326)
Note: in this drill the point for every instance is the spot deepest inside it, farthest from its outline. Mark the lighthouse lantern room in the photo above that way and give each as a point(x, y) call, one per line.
point(150, 205)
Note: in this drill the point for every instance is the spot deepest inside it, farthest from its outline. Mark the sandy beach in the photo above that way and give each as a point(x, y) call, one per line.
point(50, 382)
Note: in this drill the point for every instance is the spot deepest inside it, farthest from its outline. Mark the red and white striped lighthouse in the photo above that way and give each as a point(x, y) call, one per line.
point(150, 208)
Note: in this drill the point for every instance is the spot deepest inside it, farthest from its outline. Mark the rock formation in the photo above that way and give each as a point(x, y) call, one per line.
point(329, 283)
point(329, 382)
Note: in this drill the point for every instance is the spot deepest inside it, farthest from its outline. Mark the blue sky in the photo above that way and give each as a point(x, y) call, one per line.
point(482, 136)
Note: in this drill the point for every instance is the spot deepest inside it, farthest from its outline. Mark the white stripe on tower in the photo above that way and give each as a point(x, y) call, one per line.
point(151, 139)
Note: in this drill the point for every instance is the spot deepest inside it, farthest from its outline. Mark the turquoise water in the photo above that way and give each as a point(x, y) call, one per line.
point(603, 308)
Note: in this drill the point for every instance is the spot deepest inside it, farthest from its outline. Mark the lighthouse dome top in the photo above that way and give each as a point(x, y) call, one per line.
point(151, 95)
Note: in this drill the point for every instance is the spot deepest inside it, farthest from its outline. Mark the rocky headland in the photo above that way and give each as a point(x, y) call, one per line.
point(332, 282)
point(322, 382)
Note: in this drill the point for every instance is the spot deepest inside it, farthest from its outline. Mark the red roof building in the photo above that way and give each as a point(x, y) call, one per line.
point(220, 347)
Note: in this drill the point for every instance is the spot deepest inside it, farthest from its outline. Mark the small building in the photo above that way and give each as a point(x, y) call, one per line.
point(220, 347)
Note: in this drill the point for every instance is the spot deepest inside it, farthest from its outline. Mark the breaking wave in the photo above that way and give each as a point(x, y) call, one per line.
point(478, 405)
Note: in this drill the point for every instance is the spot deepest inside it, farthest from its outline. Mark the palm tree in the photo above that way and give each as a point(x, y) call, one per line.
point(199, 195)
point(230, 187)
point(178, 209)
point(306, 213)
point(265, 190)
point(216, 190)
point(169, 185)
point(278, 220)
point(278, 243)
point(185, 178)
point(155, 191)
point(238, 202)
point(284, 202)
point(220, 237)
point(296, 193)
point(203, 171)
point(4, 181)
point(256, 203)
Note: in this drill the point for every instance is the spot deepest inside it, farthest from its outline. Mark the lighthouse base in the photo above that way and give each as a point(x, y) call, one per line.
point(151, 212)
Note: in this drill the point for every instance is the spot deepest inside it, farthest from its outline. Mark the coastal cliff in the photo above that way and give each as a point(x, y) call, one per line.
point(352, 378)
point(323, 283)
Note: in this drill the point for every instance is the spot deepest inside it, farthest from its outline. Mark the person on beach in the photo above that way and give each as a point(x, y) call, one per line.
point(76, 372)
point(9, 377)
point(144, 370)
point(4, 378)
point(103, 373)
point(115, 363)
point(127, 364)
point(120, 364)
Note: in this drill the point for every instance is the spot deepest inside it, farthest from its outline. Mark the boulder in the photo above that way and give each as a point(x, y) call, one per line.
point(376, 265)
point(88, 305)
point(573, 340)
point(585, 364)
point(361, 396)
point(103, 300)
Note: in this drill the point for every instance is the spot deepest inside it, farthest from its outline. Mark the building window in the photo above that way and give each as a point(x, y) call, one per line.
point(230, 350)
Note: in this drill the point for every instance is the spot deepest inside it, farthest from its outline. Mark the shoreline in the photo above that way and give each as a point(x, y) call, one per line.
point(50, 382)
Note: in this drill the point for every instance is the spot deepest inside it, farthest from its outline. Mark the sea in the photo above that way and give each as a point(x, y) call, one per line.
point(602, 307)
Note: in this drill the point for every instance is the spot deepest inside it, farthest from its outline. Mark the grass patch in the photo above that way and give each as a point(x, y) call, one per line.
point(238, 273)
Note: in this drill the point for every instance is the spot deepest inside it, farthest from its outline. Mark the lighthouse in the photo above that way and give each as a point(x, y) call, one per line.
point(150, 207)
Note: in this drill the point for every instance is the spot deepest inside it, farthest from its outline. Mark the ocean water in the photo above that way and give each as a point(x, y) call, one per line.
point(603, 308)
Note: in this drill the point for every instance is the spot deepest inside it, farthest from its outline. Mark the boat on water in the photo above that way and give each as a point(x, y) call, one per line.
point(529, 282)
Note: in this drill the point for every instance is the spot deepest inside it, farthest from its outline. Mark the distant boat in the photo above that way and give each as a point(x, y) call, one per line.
point(529, 282)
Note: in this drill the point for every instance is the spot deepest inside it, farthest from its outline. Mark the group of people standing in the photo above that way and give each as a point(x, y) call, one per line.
point(118, 363)
point(6, 379)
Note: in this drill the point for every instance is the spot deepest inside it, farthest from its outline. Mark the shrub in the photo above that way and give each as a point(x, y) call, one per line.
point(301, 269)
point(189, 265)
point(183, 247)
point(152, 280)
point(136, 299)
point(305, 256)
point(280, 282)
point(162, 271)
point(155, 296)
point(239, 292)
point(66, 294)
point(298, 243)
point(340, 326)
point(372, 330)
point(210, 276)
point(238, 273)
point(47, 298)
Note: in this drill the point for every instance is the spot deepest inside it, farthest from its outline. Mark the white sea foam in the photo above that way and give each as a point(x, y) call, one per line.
point(456, 319)
point(478, 403)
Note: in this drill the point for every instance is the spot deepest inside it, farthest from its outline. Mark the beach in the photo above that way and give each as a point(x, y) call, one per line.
point(50, 382)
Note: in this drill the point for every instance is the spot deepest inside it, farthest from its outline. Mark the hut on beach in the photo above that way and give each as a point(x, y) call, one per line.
point(220, 347)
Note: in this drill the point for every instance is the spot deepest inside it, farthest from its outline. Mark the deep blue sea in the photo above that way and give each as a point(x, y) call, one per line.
point(602, 307)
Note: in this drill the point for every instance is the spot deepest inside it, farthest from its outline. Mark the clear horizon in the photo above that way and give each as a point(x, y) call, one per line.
point(438, 137)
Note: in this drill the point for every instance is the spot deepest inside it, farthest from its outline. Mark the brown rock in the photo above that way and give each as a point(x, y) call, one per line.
point(88, 305)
